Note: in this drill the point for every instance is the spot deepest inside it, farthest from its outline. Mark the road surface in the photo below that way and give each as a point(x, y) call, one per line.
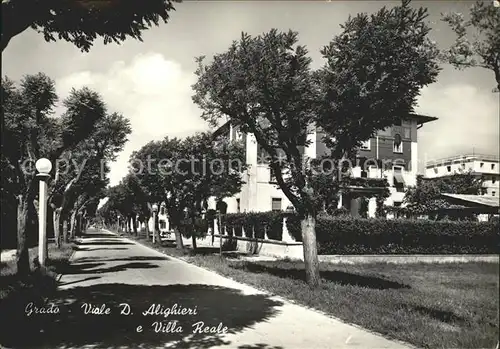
point(120, 294)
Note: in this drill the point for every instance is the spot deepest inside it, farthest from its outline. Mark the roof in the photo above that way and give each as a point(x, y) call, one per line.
point(483, 200)
point(422, 119)
point(222, 129)
point(462, 159)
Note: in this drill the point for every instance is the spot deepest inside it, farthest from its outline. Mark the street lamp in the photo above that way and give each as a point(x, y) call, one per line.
point(155, 211)
point(43, 166)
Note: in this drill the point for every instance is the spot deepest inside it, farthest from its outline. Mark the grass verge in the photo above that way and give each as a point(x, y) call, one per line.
point(10, 282)
point(427, 305)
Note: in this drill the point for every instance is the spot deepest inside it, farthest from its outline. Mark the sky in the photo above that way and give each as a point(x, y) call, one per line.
point(150, 82)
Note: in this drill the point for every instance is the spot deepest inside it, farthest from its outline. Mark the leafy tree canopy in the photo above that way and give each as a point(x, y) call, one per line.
point(374, 72)
point(477, 41)
point(426, 196)
point(82, 21)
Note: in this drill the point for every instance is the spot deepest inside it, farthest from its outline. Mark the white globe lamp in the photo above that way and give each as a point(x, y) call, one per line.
point(43, 166)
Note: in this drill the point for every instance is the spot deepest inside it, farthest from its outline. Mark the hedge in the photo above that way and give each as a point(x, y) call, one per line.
point(255, 224)
point(200, 227)
point(400, 236)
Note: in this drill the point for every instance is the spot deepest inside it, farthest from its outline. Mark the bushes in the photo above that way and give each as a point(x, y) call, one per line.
point(255, 224)
point(380, 236)
point(198, 229)
point(347, 235)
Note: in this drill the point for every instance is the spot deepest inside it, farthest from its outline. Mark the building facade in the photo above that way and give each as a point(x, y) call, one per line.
point(481, 165)
point(393, 153)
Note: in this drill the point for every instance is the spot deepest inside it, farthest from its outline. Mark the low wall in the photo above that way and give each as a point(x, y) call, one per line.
point(407, 259)
point(294, 250)
point(261, 247)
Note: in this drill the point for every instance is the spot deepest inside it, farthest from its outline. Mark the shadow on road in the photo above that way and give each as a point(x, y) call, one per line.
point(134, 258)
point(209, 304)
point(335, 276)
point(76, 268)
point(76, 248)
point(259, 346)
point(78, 281)
point(102, 242)
point(94, 235)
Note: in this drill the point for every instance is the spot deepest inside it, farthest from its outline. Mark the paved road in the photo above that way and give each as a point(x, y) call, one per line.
point(109, 271)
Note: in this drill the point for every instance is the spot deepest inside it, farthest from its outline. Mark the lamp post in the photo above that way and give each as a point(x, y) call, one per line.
point(43, 166)
point(155, 211)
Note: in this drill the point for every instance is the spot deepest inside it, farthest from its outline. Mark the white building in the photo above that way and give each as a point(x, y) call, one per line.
point(483, 166)
point(395, 148)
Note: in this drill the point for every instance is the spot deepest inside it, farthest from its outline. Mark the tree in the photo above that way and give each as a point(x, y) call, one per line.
point(214, 170)
point(31, 132)
point(375, 69)
point(82, 21)
point(85, 169)
point(185, 174)
point(478, 39)
point(426, 197)
point(107, 214)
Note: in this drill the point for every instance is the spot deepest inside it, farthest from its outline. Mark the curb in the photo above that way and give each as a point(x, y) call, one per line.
point(278, 297)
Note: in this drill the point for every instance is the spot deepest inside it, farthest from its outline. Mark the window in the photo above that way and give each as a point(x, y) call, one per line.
point(373, 171)
point(407, 132)
point(398, 179)
point(272, 177)
point(238, 207)
point(398, 122)
point(163, 225)
point(364, 174)
point(493, 179)
point(481, 164)
point(448, 168)
point(435, 170)
point(276, 204)
point(238, 135)
point(162, 210)
point(493, 193)
point(398, 144)
point(492, 166)
point(365, 145)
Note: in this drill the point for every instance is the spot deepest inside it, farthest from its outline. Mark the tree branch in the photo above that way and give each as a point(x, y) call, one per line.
point(17, 16)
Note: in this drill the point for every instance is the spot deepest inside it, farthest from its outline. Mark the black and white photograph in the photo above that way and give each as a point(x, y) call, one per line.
point(232, 174)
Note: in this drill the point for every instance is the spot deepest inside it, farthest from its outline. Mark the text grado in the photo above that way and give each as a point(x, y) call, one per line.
point(156, 310)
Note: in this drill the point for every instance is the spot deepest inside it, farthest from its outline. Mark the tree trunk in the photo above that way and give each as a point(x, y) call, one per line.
point(56, 216)
point(83, 225)
point(78, 225)
point(134, 225)
point(23, 262)
point(157, 229)
point(178, 239)
point(73, 225)
point(308, 226)
point(146, 225)
point(65, 231)
point(194, 233)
